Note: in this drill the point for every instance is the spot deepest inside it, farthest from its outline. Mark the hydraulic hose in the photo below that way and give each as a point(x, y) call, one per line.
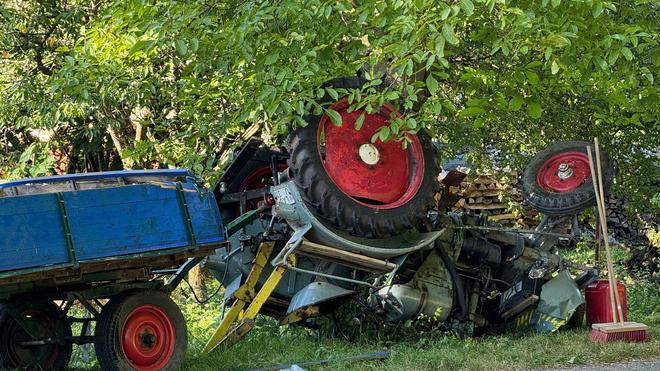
point(458, 284)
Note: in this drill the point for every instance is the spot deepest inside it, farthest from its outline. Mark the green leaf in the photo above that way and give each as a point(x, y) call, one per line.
point(600, 62)
point(140, 45)
point(181, 48)
point(532, 77)
point(384, 133)
point(359, 121)
point(300, 121)
point(335, 117)
point(449, 35)
point(332, 93)
point(534, 110)
point(472, 111)
point(619, 37)
point(647, 73)
point(516, 103)
point(533, 64)
point(194, 44)
point(548, 53)
point(558, 41)
point(627, 53)
point(440, 46)
point(271, 58)
point(467, 7)
point(613, 57)
point(597, 9)
point(429, 62)
point(554, 67)
point(445, 13)
point(431, 84)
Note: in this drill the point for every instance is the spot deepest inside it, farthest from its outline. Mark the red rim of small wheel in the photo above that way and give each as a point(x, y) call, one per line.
point(378, 175)
point(258, 178)
point(548, 176)
point(148, 338)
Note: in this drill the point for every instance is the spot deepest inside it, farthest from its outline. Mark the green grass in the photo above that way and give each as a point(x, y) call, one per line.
point(267, 346)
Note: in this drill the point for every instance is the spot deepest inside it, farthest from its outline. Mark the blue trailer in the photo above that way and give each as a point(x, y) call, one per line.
point(116, 242)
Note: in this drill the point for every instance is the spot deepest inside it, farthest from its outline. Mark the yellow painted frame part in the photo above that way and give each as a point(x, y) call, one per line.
point(239, 322)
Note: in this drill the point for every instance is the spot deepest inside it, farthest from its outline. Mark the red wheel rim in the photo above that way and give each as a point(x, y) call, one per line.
point(148, 338)
point(378, 175)
point(259, 178)
point(564, 172)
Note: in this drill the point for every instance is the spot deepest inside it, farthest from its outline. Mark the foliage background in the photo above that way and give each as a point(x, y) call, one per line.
point(90, 85)
point(99, 85)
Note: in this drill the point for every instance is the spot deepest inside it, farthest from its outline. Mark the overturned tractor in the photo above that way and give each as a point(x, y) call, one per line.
point(336, 215)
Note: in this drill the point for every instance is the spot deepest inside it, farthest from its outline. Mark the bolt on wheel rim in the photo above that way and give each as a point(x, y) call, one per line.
point(564, 172)
point(378, 175)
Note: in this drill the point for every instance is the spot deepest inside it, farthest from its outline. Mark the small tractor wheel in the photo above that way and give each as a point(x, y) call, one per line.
point(51, 325)
point(558, 180)
point(368, 189)
point(141, 330)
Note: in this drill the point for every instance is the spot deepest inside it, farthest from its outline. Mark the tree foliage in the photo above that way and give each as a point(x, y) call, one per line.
point(141, 83)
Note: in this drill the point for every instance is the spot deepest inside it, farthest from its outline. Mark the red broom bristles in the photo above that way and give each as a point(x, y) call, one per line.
point(636, 336)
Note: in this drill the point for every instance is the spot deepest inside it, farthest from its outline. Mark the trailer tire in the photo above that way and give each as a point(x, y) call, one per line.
point(546, 191)
point(52, 356)
point(368, 189)
point(141, 330)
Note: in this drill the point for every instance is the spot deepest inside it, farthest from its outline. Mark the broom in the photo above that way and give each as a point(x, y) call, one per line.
point(618, 330)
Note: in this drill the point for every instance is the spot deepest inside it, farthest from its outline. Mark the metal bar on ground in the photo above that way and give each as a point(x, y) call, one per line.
point(376, 356)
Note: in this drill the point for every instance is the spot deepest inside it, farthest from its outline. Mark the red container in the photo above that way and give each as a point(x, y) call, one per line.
point(599, 309)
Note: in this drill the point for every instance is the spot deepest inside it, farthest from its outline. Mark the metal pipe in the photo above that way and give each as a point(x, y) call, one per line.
point(458, 284)
point(329, 276)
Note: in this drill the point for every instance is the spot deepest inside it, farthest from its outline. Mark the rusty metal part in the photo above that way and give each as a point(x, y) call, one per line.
point(300, 314)
point(346, 258)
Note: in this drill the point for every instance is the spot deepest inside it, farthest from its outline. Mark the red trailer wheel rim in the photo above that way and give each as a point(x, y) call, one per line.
point(552, 177)
point(378, 175)
point(148, 338)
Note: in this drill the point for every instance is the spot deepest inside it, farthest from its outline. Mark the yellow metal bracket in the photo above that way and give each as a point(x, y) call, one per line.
point(239, 322)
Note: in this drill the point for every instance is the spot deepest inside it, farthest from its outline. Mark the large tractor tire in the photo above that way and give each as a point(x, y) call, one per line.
point(558, 181)
point(373, 190)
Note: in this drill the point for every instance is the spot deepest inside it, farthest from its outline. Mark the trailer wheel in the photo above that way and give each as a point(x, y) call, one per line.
point(373, 190)
point(141, 330)
point(51, 324)
point(557, 181)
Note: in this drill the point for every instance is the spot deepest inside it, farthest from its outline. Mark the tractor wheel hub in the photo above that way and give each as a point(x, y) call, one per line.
point(565, 171)
point(369, 154)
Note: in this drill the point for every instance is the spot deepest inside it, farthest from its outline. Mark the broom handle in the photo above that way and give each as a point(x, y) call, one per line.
point(608, 258)
point(602, 206)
